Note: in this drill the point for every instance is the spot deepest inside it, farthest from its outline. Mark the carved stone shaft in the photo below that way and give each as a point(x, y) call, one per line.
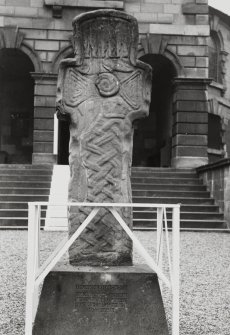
point(101, 92)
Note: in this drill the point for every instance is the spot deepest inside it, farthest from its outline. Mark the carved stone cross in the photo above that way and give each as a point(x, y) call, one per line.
point(101, 92)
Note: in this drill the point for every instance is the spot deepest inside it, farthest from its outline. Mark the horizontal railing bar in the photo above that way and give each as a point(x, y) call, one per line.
point(104, 204)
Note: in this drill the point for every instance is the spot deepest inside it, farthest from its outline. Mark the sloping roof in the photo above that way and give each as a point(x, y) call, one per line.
point(224, 17)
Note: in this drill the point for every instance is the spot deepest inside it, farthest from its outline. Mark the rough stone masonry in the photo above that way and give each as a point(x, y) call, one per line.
point(101, 92)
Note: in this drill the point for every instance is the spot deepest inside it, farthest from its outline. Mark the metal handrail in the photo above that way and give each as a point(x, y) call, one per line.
point(36, 272)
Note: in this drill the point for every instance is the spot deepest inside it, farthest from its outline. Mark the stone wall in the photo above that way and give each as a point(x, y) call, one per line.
point(184, 23)
point(184, 26)
point(219, 93)
point(217, 177)
point(176, 29)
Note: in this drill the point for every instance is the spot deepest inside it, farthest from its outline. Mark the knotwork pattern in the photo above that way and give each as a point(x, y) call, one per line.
point(102, 157)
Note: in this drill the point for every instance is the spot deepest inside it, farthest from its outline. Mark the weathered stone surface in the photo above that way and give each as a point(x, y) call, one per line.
point(191, 8)
point(88, 301)
point(101, 92)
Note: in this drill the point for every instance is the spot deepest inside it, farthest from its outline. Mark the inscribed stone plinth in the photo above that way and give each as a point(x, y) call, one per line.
point(101, 92)
point(98, 301)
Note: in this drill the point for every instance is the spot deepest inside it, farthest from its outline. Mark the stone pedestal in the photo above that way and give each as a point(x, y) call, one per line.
point(101, 301)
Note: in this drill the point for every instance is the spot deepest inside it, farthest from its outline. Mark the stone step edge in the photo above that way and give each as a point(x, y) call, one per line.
point(170, 191)
point(134, 197)
point(28, 166)
point(181, 212)
point(29, 174)
point(134, 220)
point(166, 185)
point(195, 230)
point(182, 221)
point(23, 188)
point(205, 230)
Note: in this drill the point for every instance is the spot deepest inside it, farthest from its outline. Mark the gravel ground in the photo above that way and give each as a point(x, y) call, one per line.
point(205, 280)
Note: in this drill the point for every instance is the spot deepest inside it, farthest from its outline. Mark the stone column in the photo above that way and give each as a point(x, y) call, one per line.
point(44, 109)
point(101, 92)
point(190, 123)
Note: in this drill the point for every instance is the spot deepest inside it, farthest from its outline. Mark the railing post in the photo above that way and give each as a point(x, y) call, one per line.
point(159, 236)
point(37, 239)
point(176, 270)
point(37, 255)
point(31, 267)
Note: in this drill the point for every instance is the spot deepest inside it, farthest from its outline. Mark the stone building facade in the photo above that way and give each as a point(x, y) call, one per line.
point(186, 42)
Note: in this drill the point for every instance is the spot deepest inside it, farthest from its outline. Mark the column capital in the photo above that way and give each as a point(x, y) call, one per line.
point(40, 76)
point(191, 82)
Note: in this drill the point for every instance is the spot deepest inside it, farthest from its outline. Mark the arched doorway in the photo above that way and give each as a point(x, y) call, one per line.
point(16, 107)
point(152, 135)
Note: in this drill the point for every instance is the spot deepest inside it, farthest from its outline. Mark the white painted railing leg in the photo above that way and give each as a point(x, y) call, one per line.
point(159, 235)
point(31, 268)
point(176, 271)
point(37, 254)
point(159, 240)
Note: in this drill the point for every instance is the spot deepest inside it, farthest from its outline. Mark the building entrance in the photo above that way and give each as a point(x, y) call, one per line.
point(16, 107)
point(152, 135)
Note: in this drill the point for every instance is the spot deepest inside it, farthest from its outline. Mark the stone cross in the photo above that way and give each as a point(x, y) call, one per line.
point(101, 92)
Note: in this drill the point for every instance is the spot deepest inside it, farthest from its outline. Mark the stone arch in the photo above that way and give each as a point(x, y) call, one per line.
point(157, 44)
point(63, 53)
point(215, 28)
point(33, 56)
point(17, 113)
point(12, 38)
point(221, 40)
point(216, 35)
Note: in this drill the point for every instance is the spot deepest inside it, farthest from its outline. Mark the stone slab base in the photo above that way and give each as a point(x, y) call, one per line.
point(101, 301)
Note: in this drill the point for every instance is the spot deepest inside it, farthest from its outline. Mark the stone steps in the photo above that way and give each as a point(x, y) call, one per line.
point(24, 191)
point(184, 224)
point(172, 186)
point(166, 187)
point(20, 184)
point(173, 200)
point(25, 178)
point(152, 215)
point(149, 185)
point(168, 181)
point(170, 193)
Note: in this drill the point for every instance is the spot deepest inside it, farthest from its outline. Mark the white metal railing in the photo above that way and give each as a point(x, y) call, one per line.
point(36, 272)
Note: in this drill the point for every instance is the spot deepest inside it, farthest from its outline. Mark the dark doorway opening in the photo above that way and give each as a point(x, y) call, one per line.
point(16, 107)
point(152, 135)
point(215, 138)
point(63, 142)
